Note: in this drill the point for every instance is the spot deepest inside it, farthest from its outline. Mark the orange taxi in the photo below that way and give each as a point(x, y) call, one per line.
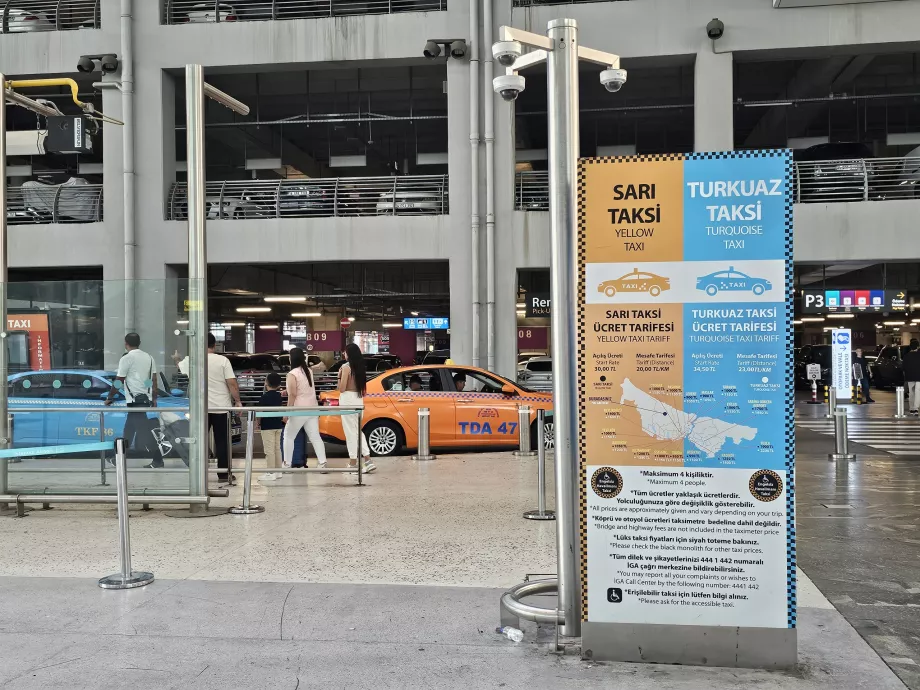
point(469, 407)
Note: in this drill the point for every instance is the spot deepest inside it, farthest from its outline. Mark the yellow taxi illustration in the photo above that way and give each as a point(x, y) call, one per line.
point(637, 281)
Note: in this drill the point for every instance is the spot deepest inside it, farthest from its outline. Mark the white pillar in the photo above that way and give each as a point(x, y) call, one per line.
point(714, 121)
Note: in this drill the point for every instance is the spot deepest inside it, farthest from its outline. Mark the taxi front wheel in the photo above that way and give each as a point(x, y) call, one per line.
point(384, 437)
point(549, 439)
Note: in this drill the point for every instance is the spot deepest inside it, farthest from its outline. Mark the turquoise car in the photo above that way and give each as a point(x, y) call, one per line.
point(80, 388)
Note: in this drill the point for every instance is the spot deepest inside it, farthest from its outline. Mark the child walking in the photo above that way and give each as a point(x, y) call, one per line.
point(271, 427)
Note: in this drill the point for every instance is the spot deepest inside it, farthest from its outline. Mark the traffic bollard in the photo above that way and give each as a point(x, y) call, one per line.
point(524, 450)
point(247, 508)
point(841, 442)
point(541, 513)
point(899, 403)
point(424, 435)
point(127, 578)
point(831, 402)
point(814, 394)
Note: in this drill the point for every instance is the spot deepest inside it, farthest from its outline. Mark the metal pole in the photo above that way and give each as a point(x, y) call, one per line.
point(562, 87)
point(424, 435)
point(5, 441)
point(831, 402)
point(541, 513)
point(102, 452)
point(899, 403)
point(197, 284)
point(231, 480)
point(841, 441)
point(247, 508)
point(524, 450)
point(127, 578)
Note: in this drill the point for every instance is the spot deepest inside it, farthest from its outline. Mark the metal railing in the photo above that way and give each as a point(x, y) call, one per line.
point(416, 195)
point(253, 385)
point(209, 11)
point(29, 16)
point(36, 204)
point(872, 179)
point(531, 3)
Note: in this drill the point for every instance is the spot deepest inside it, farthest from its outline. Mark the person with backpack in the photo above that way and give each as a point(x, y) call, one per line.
point(135, 377)
point(301, 393)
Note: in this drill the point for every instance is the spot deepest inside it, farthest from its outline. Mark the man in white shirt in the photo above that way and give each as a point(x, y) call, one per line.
point(136, 377)
point(223, 391)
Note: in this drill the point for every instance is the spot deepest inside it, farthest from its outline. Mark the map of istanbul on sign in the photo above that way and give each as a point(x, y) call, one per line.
point(667, 423)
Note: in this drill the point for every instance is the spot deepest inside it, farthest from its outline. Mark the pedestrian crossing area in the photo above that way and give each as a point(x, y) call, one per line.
point(894, 436)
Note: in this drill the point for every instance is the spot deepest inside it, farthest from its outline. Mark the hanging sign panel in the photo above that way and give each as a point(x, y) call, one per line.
point(686, 443)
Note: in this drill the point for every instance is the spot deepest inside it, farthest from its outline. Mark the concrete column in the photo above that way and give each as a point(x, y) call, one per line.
point(458, 156)
point(113, 270)
point(714, 115)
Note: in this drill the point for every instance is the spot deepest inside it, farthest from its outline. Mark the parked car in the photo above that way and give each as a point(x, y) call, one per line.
point(523, 357)
point(297, 200)
point(436, 357)
point(374, 363)
point(637, 281)
point(76, 200)
point(732, 281)
point(835, 172)
point(536, 374)
point(56, 388)
point(421, 202)
point(251, 371)
point(483, 413)
point(205, 12)
point(888, 369)
point(26, 21)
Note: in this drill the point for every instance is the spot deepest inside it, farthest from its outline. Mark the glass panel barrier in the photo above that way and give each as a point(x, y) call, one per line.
point(66, 342)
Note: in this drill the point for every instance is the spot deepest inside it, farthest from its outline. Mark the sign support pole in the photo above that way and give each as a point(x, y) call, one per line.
point(5, 429)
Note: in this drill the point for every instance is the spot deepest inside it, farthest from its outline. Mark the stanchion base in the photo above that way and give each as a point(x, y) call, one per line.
point(900, 416)
point(200, 512)
point(240, 510)
point(841, 456)
point(528, 454)
point(119, 581)
point(537, 515)
point(424, 458)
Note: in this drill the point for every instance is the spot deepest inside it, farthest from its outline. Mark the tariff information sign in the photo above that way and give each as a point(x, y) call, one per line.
point(685, 431)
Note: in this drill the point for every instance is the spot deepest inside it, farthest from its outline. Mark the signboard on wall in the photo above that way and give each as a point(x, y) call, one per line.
point(841, 360)
point(853, 301)
point(28, 344)
point(537, 305)
point(427, 323)
point(685, 311)
point(532, 338)
point(325, 341)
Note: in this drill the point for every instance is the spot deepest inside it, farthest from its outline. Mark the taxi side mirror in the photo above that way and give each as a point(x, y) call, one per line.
point(508, 389)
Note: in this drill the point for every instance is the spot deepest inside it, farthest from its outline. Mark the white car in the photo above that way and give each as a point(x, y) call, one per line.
point(536, 374)
point(204, 12)
point(23, 21)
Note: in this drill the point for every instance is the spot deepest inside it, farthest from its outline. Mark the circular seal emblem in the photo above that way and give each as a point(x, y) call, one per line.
point(607, 482)
point(766, 485)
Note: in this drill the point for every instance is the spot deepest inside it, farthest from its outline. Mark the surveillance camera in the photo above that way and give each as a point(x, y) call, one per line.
point(613, 79)
point(509, 86)
point(86, 64)
point(458, 49)
point(432, 50)
point(109, 64)
point(506, 52)
point(715, 29)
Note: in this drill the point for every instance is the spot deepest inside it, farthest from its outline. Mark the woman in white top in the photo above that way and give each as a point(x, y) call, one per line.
point(301, 393)
point(352, 386)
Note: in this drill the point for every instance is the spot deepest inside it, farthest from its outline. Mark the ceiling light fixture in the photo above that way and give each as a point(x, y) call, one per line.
point(233, 324)
point(306, 314)
point(253, 310)
point(841, 316)
point(815, 319)
point(269, 327)
point(392, 325)
point(281, 298)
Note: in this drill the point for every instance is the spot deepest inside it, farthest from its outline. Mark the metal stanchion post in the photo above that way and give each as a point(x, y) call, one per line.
point(831, 402)
point(247, 508)
point(127, 578)
point(231, 480)
point(840, 437)
point(541, 513)
point(102, 452)
point(524, 450)
point(899, 403)
point(360, 448)
point(424, 435)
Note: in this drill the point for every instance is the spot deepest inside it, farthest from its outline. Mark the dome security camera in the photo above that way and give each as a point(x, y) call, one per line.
point(715, 29)
point(108, 64)
point(509, 86)
point(432, 50)
point(86, 64)
point(506, 52)
point(613, 79)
